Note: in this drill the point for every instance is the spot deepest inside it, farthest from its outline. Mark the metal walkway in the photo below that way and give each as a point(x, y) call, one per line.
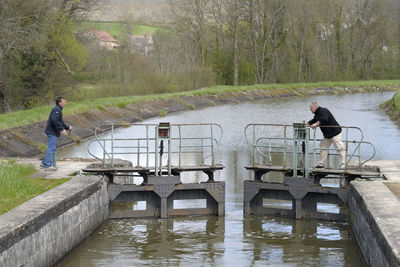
point(148, 147)
point(300, 194)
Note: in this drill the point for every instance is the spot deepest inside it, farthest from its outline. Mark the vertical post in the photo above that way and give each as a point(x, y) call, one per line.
point(212, 147)
point(164, 207)
point(347, 148)
point(156, 151)
point(299, 209)
point(295, 147)
point(306, 155)
point(104, 152)
point(180, 145)
point(314, 149)
point(138, 153)
point(254, 145)
point(169, 151)
point(147, 146)
point(202, 151)
point(112, 145)
point(284, 144)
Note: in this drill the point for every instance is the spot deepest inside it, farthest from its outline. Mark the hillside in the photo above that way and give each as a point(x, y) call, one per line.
point(131, 10)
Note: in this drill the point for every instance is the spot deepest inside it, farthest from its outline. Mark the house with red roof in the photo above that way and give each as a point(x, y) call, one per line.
point(104, 39)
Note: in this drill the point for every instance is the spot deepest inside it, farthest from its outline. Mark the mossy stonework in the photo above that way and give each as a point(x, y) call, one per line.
point(30, 140)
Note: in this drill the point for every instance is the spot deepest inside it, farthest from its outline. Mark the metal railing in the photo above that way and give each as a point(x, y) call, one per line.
point(265, 139)
point(146, 146)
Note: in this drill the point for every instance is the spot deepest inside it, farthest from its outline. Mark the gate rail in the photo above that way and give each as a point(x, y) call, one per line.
point(205, 144)
point(256, 143)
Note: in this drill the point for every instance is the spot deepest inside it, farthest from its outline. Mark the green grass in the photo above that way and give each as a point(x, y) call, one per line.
point(16, 187)
point(393, 104)
point(24, 117)
point(118, 30)
point(396, 101)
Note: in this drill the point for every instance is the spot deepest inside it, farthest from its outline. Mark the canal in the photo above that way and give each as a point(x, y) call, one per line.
point(234, 240)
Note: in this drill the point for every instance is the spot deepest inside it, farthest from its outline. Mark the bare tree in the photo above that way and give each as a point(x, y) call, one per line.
point(228, 15)
point(264, 17)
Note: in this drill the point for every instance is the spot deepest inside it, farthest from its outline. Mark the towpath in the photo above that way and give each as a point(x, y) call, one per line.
point(65, 167)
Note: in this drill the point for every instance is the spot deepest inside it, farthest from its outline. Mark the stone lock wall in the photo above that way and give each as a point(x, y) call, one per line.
point(44, 229)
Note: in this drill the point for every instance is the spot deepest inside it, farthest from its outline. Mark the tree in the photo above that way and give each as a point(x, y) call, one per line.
point(19, 24)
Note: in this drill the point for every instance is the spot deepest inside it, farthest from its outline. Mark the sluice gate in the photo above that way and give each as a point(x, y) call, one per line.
point(301, 190)
point(160, 191)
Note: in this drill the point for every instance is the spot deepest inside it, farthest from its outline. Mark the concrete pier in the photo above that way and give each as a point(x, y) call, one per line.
point(44, 229)
point(374, 216)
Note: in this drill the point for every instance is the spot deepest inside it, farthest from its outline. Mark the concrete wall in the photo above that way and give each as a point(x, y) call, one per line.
point(375, 221)
point(44, 229)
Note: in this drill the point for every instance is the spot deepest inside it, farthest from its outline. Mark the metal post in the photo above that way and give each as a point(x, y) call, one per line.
point(254, 145)
point(202, 151)
point(212, 147)
point(138, 152)
point(347, 148)
point(284, 150)
point(104, 152)
point(180, 145)
point(314, 148)
point(147, 146)
point(169, 151)
point(156, 151)
point(112, 145)
point(306, 155)
point(295, 154)
point(161, 145)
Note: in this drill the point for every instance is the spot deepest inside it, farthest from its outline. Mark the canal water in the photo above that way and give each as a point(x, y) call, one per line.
point(235, 240)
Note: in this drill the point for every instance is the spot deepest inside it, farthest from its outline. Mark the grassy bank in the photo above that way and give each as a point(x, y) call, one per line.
point(25, 117)
point(118, 30)
point(16, 187)
point(392, 107)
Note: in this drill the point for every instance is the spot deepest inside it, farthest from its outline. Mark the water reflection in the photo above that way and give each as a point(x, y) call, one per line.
point(301, 243)
point(234, 240)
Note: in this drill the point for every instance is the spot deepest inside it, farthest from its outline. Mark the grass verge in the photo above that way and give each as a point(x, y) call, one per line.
point(24, 117)
point(392, 107)
point(16, 187)
point(118, 30)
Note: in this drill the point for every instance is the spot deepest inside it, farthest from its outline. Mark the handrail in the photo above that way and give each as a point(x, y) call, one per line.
point(257, 142)
point(205, 143)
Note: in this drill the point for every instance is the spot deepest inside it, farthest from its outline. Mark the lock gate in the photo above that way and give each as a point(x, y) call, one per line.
point(161, 186)
point(300, 192)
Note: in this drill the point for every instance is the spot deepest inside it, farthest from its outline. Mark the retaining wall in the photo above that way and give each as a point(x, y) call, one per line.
point(375, 221)
point(44, 229)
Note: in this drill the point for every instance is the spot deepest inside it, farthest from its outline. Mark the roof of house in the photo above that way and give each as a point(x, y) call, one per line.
point(103, 36)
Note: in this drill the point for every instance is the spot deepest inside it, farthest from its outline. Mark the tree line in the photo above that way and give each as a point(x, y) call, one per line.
point(285, 41)
point(201, 43)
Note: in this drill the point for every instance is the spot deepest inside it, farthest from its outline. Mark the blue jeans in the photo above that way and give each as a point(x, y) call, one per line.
point(51, 149)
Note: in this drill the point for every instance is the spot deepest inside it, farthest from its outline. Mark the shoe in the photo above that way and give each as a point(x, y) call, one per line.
point(319, 167)
point(51, 168)
point(42, 166)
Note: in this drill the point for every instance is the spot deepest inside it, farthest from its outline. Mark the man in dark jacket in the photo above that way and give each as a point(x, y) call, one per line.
point(54, 127)
point(332, 135)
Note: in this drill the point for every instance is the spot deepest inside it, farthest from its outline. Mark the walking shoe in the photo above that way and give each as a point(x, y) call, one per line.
point(51, 168)
point(319, 167)
point(42, 166)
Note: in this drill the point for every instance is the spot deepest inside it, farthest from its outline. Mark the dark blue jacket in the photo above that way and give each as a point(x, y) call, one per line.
point(55, 123)
point(325, 118)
